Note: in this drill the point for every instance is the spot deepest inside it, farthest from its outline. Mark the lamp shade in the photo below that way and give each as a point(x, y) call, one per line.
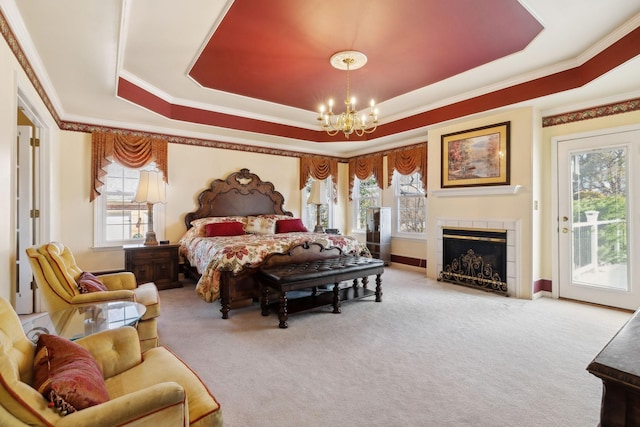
point(318, 194)
point(151, 188)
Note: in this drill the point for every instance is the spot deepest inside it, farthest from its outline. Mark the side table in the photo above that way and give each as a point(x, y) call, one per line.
point(158, 264)
point(80, 321)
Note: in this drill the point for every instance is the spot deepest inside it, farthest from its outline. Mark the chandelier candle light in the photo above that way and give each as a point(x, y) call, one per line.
point(349, 121)
point(151, 190)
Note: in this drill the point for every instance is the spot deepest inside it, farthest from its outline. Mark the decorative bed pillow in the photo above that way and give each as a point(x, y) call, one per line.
point(67, 375)
point(200, 223)
point(290, 225)
point(275, 216)
point(232, 228)
point(261, 225)
point(89, 283)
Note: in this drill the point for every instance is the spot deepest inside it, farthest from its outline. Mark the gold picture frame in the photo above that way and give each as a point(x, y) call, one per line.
point(476, 157)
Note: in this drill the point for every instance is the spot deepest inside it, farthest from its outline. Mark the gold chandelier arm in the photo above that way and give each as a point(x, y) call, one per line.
point(348, 122)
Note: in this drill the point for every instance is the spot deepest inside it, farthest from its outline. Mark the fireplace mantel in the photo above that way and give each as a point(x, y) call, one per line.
point(477, 191)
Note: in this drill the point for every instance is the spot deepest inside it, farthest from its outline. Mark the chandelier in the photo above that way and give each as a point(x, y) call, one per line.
point(349, 121)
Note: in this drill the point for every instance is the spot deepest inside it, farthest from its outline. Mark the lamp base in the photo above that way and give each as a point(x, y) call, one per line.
point(150, 239)
point(318, 229)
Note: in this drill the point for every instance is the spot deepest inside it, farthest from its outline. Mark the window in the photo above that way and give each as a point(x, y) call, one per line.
point(119, 220)
point(326, 211)
point(411, 212)
point(366, 194)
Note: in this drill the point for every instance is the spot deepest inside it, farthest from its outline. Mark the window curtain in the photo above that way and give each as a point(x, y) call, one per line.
point(128, 150)
point(319, 168)
point(363, 167)
point(408, 162)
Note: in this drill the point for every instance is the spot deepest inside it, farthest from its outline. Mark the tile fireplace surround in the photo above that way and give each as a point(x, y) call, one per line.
point(513, 249)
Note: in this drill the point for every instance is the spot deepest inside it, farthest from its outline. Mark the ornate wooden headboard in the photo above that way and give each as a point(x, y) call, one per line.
point(240, 194)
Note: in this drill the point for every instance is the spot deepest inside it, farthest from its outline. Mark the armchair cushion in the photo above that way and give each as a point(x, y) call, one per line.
point(67, 375)
point(88, 283)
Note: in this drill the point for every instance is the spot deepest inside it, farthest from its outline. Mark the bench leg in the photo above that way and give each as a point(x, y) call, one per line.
point(282, 315)
point(365, 282)
point(336, 297)
point(264, 301)
point(378, 288)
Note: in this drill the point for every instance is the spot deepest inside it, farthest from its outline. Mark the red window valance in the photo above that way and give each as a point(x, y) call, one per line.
point(128, 150)
point(319, 168)
point(363, 167)
point(407, 162)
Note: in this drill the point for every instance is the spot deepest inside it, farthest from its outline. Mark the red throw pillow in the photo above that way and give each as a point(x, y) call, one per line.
point(290, 225)
point(233, 228)
point(89, 283)
point(67, 375)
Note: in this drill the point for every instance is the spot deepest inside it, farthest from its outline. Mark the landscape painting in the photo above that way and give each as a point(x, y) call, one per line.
point(476, 157)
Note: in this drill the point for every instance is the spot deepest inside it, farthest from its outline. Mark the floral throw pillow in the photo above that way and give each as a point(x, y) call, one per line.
point(261, 225)
point(67, 375)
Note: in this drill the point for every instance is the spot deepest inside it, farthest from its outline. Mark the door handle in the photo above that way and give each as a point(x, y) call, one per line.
point(565, 230)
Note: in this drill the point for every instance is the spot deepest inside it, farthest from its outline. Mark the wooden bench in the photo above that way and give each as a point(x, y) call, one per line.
point(306, 267)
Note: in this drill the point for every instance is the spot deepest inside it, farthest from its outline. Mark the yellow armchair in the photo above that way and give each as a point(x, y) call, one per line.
point(56, 274)
point(153, 388)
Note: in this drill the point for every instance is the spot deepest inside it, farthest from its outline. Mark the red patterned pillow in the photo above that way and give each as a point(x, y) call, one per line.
point(89, 283)
point(67, 375)
point(224, 229)
point(290, 225)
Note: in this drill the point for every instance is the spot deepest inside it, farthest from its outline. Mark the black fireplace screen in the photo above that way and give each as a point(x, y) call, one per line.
point(475, 258)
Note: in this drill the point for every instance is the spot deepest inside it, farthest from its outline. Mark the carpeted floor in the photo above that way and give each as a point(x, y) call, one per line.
point(431, 354)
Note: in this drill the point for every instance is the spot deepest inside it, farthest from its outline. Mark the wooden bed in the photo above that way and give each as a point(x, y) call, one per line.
point(241, 194)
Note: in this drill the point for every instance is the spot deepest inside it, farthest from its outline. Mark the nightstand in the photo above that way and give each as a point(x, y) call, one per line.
point(158, 264)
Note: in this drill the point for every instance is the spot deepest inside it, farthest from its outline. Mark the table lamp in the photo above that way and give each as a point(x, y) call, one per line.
point(151, 190)
point(317, 197)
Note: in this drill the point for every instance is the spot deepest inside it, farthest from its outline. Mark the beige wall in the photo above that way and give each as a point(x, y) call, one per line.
point(12, 81)
point(68, 216)
point(7, 136)
point(491, 207)
point(191, 170)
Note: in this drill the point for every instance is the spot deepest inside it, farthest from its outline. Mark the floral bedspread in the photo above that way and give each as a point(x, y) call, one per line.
point(210, 255)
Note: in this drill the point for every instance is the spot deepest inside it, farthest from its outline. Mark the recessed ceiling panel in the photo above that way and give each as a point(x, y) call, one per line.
point(279, 50)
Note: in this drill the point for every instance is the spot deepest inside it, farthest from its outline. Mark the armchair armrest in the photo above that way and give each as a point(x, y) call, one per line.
point(117, 281)
point(115, 350)
point(96, 297)
point(163, 404)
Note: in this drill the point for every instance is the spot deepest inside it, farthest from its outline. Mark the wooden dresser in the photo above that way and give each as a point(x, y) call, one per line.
point(618, 366)
point(158, 264)
point(379, 233)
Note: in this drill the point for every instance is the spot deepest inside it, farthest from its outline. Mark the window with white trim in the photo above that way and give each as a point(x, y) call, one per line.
point(410, 205)
point(366, 194)
point(118, 219)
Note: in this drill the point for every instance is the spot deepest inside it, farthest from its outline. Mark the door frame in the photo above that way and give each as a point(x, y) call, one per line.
point(44, 181)
point(555, 214)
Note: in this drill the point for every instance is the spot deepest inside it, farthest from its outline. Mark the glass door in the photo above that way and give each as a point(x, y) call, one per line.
point(596, 204)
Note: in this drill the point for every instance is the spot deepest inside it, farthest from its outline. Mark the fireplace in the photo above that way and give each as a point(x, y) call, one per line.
point(475, 257)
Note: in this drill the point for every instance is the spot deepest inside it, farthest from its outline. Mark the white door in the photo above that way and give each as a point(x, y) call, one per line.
point(598, 197)
point(25, 218)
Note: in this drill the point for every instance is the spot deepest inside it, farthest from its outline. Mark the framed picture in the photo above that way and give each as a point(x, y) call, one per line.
point(476, 157)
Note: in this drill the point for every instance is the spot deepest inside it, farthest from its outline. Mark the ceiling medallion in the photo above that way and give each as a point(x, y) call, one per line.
point(349, 121)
